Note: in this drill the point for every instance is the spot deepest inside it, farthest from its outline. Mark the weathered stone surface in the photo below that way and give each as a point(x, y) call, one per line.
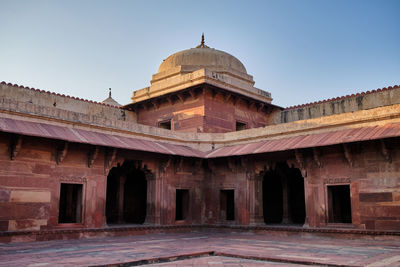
point(29, 196)
point(32, 224)
point(376, 197)
point(4, 195)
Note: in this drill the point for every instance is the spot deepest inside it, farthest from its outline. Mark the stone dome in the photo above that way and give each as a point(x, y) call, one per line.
point(202, 57)
point(110, 101)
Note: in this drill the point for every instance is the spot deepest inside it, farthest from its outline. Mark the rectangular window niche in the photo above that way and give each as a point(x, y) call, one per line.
point(339, 204)
point(240, 126)
point(182, 204)
point(227, 205)
point(165, 125)
point(70, 209)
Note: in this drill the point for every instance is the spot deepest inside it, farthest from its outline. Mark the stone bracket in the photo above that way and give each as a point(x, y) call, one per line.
point(263, 167)
point(260, 107)
point(301, 162)
point(385, 151)
point(181, 98)
point(235, 100)
point(192, 93)
point(213, 93)
point(252, 105)
point(197, 163)
point(170, 100)
point(231, 164)
point(155, 104)
point(211, 165)
point(15, 146)
point(109, 159)
point(138, 164)
point(62, 152)
point(165, 164)
point(317, 157)
point(92, 156)
point(347, 154)
point(178, 164)
point(245, 164)
point(228, 97)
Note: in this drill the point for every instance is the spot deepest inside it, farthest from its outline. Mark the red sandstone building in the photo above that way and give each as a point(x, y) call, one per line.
point(200, 147)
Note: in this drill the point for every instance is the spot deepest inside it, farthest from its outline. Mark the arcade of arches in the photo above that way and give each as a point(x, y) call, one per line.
point(127, 196)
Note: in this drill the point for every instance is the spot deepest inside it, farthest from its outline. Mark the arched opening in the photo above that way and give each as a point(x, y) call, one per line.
point(126, 198)
point(283, 196)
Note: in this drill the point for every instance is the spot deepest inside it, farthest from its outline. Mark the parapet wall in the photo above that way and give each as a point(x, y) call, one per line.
point(350, 103)
point(39, 102)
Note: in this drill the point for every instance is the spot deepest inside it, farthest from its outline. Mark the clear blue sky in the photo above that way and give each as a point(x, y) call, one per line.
point(301, 51)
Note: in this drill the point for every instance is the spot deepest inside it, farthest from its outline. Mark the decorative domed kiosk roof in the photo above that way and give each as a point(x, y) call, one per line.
point(202, 56)
point(110, 101)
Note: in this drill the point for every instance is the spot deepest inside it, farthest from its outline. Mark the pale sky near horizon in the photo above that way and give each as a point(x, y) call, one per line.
point(301, 51)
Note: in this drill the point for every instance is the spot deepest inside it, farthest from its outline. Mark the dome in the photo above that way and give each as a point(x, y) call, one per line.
point(202, 57)
point(110, 101)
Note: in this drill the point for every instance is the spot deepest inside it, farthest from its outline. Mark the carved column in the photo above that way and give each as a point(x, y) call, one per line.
point(286, 218)
point(120, 197)
point(307, 203)
point(153, 199)
point(154, 192)
point(255, 201)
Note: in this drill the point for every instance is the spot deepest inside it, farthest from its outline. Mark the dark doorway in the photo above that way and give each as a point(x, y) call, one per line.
point(126, 194)
point(283, 196)
point(339, 204)
point(70, 210)
point(182, 204)
point(227, 205)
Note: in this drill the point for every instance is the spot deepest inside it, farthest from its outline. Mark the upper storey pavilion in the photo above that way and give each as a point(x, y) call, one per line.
point(202, 89)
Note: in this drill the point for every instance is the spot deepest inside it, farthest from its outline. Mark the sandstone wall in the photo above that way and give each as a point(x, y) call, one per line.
point(374, 179)
point(221, 114)
point(371, 171)
point(186, 115)
point(377, 98)
point(30, 183)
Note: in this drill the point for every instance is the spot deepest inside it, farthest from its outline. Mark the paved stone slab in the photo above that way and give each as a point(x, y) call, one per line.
point(192, 247)
point(219, 261)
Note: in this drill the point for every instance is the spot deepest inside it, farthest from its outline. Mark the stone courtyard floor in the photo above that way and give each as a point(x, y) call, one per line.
point(204, 249)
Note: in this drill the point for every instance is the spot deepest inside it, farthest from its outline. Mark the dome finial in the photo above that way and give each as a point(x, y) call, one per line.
point(202, 43)
point(110, 100)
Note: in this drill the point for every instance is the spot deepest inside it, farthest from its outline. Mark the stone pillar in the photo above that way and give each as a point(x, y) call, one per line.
point(153, 199)
point(286, 218)
point(307, 203)
point(121, 192)
point(255, 200)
